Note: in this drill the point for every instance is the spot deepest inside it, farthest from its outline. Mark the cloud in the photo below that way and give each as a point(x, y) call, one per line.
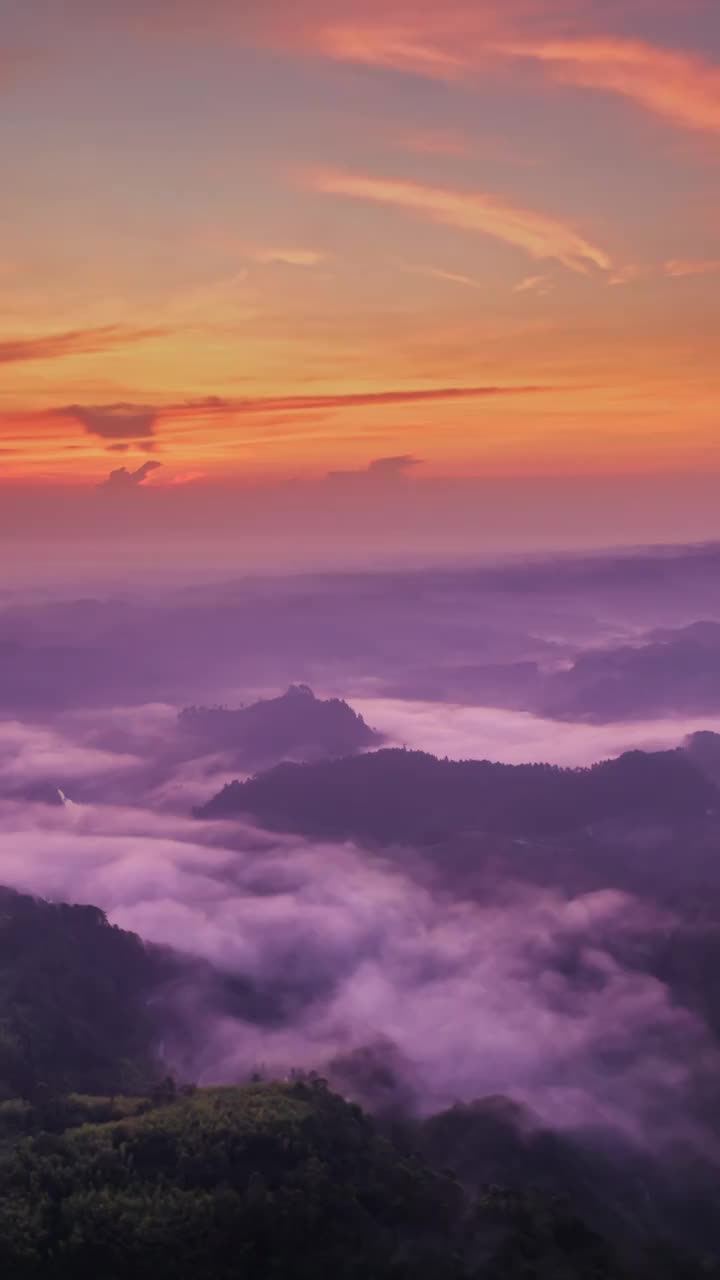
point(34, 753)
point(452, 277)
point(75, 342)
point(533, 284)
point(680, 87)
point(122, 422)
point(364, 399)
point(540, 236)
point(122, 480)
point(678, 268)
point(459, 40)
point(627, 275)
point(392, 468)
point(397, 48)
point(471, 732)
point(288, 257)
point(114, 421)
point(523, 992)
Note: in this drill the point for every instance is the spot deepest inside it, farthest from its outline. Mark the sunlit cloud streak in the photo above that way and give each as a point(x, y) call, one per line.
point(678, 268)
point(532, 284)
point(681, 87)
point(128, 421)
point(396, 48)
point(76, 342)
point(437, 273)
point(540, 236)
point(287, 257)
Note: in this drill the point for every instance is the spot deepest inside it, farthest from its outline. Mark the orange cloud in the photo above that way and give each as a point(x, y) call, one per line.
point(126, 422)
point(680, 267)
point(346, 400)
point(289, 257)
point(77, 342)
point(456, 40)
point(395, 47)
point(532, 284)
point(538, 235)
point(678, 86)
point(437, 273)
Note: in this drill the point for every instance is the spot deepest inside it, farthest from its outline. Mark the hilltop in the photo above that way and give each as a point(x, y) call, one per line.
point(410, 796)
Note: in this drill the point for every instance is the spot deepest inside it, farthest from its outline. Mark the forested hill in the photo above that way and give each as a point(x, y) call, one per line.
point(296, 725)
point(73, 1001)
point(410, 796)
point(282, 1182)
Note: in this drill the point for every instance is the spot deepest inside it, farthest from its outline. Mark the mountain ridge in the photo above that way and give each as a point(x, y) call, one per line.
point(398, 795)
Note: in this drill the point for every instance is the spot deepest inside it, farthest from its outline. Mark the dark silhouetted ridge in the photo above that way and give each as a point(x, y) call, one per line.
point(73, 1000)
point(297, 724)
point(410, 796)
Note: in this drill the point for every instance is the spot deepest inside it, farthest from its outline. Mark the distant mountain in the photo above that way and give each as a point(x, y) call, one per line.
point(665, 672)
point(703, 748)
point(296, 725)
point(675, 672)
point(74, 994)
point(412, 797)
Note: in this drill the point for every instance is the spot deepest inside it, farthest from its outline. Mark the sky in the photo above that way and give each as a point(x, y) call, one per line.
point(376, 243)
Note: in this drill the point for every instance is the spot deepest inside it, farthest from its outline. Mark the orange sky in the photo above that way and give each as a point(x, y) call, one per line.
point(252, 248)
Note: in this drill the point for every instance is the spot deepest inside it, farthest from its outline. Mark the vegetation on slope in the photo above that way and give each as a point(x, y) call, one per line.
point(410, 796)
point(73, 1001)
point(279, 1180)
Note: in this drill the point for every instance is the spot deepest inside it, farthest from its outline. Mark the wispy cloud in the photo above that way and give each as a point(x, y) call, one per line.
point(681, 87)
point(680, 267)
point(627, 274)
point(437, 273)
point(533, 284)
point(540, 236)
point(75, 342)
point(573, 39)
point(397, 47)
point(345, 400)
point(287, 257)
point(136, 423)
point(458, 40)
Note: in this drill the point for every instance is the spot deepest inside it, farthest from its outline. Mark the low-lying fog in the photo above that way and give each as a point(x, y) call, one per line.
point(572, 1000)
point(517, 737)
point(527, 992)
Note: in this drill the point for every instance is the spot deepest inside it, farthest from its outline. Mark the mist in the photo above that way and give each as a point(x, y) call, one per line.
point(527, 992)
point(565, 973)
point(518, 737)
point(312, 523)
